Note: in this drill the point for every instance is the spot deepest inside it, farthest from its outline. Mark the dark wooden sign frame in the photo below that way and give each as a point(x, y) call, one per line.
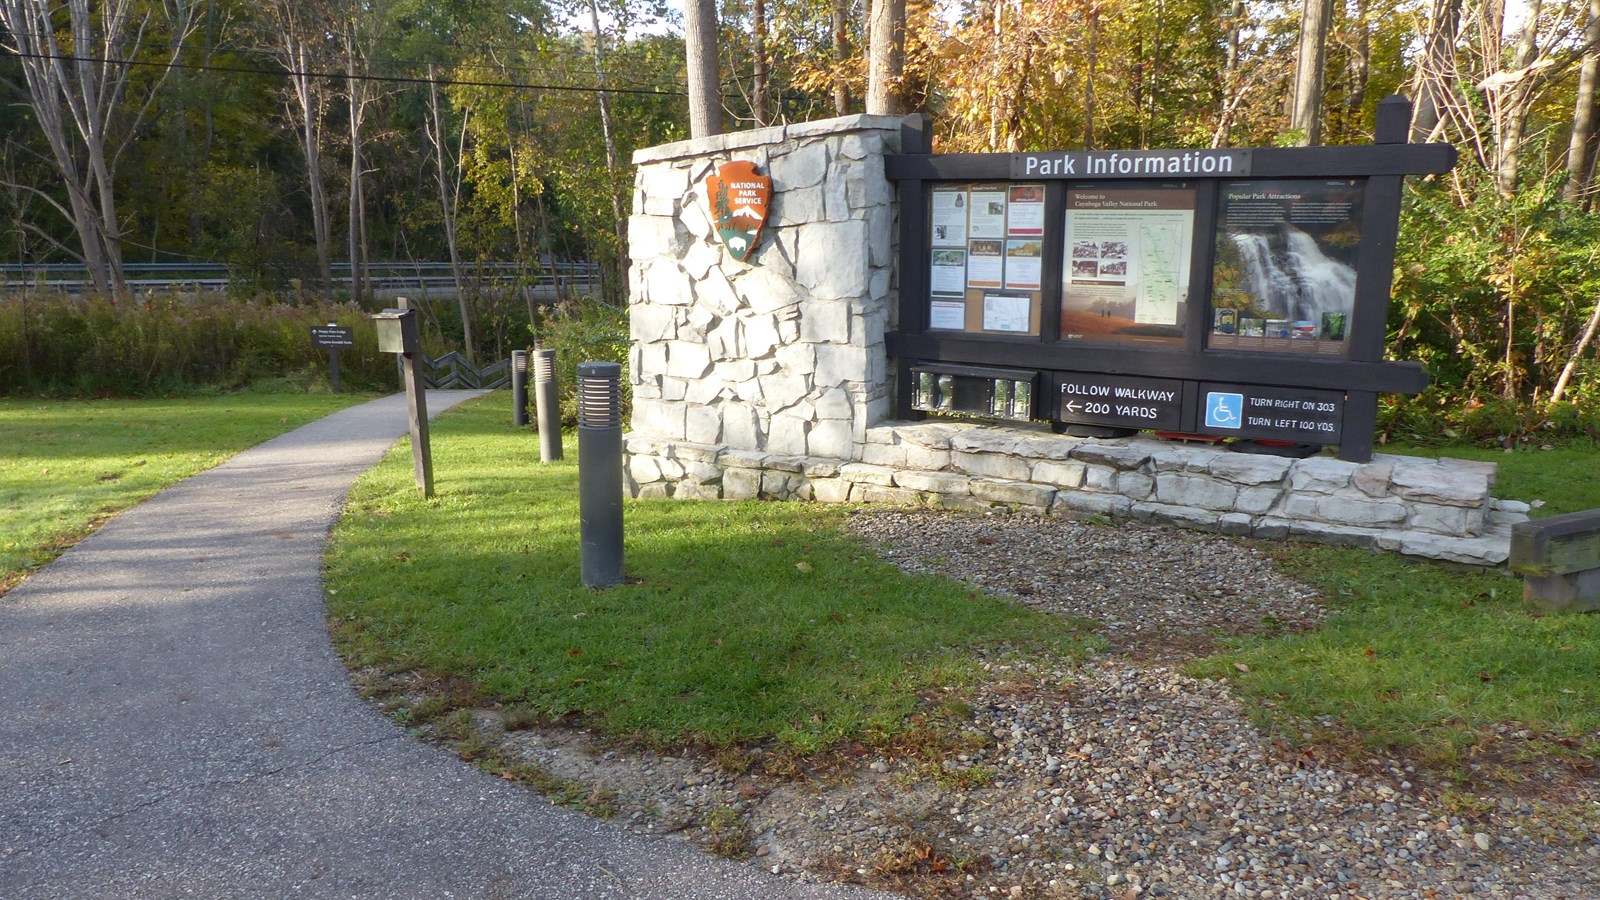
point(1360, 375)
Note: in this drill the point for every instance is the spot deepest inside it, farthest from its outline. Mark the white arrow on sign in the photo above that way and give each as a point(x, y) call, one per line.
point(1070, 406)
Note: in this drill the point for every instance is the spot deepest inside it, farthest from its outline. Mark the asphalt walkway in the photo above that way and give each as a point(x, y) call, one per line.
point(174, 722)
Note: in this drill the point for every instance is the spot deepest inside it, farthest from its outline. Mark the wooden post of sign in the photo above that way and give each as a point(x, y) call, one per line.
point(417, 405)
point(333, 368)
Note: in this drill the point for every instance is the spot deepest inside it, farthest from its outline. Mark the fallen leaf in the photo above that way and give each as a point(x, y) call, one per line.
point(1241, 667)
point(803, 566)
point(575, 651)
point(1371, 653)
point(1484, 676)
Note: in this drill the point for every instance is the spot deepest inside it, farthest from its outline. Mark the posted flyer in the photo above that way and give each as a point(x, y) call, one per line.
point(988, 214)
point(1025, 210)
point(949, 218)
point(985, 264)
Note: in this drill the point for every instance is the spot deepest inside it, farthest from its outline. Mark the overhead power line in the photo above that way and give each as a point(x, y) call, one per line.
point(391, 79)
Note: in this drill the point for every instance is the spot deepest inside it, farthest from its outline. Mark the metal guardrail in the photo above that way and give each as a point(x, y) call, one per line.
point(384, 279)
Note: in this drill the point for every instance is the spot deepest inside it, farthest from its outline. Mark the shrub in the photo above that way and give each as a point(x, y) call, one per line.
point(585, 330)
point(55, 345)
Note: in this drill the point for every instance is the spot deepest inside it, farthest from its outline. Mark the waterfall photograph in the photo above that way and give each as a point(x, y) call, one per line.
point(1285, 272)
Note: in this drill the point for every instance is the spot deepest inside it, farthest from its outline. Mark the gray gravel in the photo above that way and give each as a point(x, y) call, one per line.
point(1151, 589)
point(174, 722)
point(1117, 778)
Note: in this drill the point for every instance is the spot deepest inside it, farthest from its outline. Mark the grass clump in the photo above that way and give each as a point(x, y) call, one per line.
point(68, 465)
point(721, 637)
point(1421, 658)
point(728, 834)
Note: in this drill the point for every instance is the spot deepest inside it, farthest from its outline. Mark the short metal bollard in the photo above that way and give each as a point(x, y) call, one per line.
point(600, 474)
point(519, 388)
point(547, 404)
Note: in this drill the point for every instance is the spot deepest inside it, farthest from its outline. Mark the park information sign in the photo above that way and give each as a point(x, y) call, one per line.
point(1230, 293)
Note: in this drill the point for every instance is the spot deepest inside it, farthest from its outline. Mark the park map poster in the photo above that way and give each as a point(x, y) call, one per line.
point(1126, 273)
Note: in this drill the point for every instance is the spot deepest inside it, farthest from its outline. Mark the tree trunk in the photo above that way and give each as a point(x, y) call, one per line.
point(86, 110)
point(886, 58)
point(759, 93)
point(841, 55)
point(1509, 102)
point(700, 50)
point(449, 197)
point(357, 208)
point(1091, 61)
point(1576, 190)
point(309, 111)
point(619, 221)
point(1557, 392)
point(1360, 64)
point(1306, 111)
point(1435, 68)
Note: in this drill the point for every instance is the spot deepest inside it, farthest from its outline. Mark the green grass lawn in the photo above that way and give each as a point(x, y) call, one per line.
point(1426, 658)
point(1422, 658)
point(746, 622)
point(66, 465)
point(756, 621)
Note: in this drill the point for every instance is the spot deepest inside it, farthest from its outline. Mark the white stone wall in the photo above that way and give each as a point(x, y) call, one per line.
point(784, 353)
point(1439, 509)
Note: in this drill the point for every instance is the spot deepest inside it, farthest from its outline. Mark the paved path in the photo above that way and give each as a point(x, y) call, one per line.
point(174, 722)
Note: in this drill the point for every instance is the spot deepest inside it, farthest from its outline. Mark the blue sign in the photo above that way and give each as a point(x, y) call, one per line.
point(1224, 410)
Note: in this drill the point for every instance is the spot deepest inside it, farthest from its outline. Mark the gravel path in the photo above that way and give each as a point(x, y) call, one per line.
point(174, 721)
point(1119, 778)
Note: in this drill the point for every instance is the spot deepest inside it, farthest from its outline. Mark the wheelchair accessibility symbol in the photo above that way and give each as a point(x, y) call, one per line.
point(1224, 410)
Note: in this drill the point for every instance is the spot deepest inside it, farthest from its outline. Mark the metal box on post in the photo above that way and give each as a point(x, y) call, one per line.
point(397, 330)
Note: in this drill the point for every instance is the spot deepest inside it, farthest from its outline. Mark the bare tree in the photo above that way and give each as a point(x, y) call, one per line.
point(619, 222)
point(1436, 69)
point(447, 175)
point(360, 27)
point(298, 39)
point(1580, 150)
point(760, 89)
point(841, 55)
point(76, 58)
point(886, 57)
point(1305, 113)
point(700, 49)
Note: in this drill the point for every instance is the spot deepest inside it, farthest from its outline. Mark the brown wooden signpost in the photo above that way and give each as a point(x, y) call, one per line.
point(740, 200)
point(1229, 293)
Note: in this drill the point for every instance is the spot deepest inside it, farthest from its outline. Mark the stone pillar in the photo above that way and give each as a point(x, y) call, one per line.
point(782, 355)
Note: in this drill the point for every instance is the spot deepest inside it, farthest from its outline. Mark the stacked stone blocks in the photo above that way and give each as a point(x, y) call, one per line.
point(1440, 509)
point(783, 354)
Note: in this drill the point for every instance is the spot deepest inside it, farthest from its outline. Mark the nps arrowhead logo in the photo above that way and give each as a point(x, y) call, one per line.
point(740, 200)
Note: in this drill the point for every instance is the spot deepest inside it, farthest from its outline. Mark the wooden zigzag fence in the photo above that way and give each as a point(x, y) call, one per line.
point(452, 372)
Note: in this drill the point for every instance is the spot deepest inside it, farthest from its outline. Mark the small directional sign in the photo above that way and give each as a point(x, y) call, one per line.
point(1273, 413)
point(1088, 398)
point(332, 336)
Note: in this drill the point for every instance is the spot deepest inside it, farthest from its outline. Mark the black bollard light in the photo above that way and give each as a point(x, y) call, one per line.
point(600, 474)
point(519, 388)
point(547, 405)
